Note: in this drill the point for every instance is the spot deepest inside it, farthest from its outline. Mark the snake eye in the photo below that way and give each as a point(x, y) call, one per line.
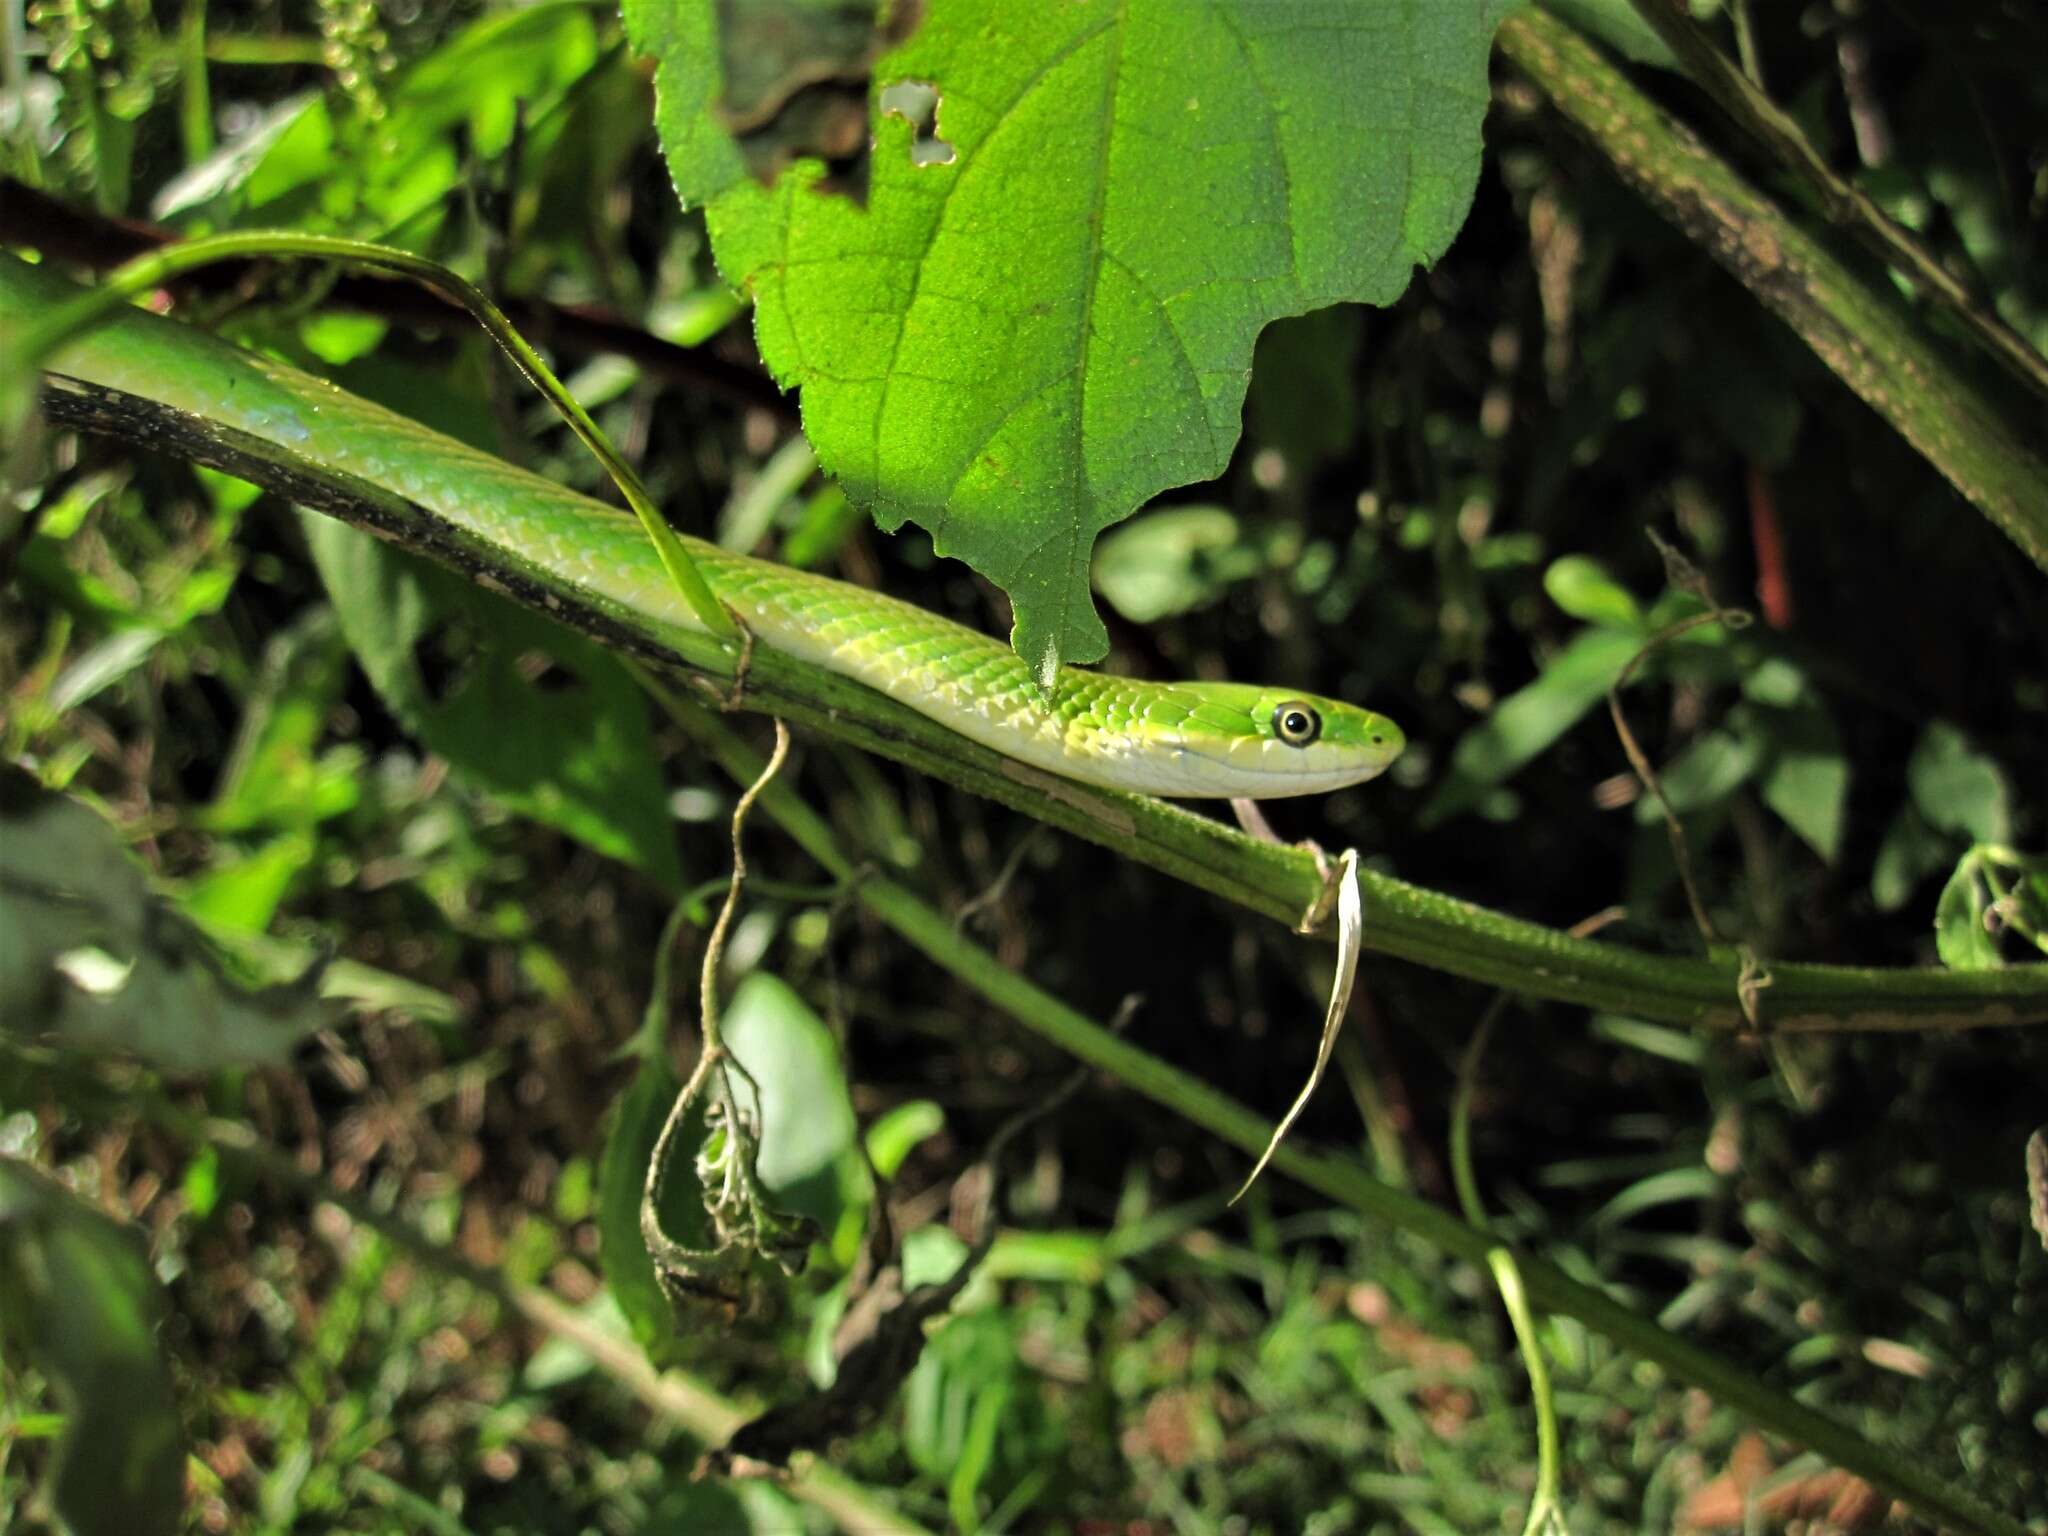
point(1296, 723)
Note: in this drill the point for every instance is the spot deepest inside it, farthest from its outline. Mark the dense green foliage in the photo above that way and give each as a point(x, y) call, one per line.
point(350, 914)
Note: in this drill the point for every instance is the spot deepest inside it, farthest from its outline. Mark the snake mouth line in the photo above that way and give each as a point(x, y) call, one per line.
point(1314, 781)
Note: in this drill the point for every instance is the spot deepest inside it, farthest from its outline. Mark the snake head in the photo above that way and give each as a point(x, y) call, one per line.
point(1324, 743)
point(1241, 741)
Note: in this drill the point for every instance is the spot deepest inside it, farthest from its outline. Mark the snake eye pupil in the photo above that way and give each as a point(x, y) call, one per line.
point(1296, 724)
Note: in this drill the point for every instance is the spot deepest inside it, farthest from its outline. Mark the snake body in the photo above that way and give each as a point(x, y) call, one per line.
point(1218, 739)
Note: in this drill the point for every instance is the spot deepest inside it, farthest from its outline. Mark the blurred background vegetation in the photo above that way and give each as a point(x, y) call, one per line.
point(1440, 508)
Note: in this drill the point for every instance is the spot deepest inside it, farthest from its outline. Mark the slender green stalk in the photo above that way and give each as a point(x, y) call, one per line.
point(1546, 1511)
point(1463, 1180)
point(1342, 1179)
point(44, 334)
point(1863, 335)
point(195, 99)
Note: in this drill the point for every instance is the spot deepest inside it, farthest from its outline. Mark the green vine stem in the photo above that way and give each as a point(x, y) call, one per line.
point(1545, 1287)
point(1844, 203)
point(1863, 335)
point(105, 392)
point(1546, 1507)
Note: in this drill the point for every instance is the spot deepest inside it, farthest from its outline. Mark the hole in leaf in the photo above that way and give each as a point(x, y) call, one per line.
point(797, 76)
point(546, 674)
point(917, 103)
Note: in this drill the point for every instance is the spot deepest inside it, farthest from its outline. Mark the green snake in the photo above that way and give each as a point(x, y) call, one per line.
point(1191, 739)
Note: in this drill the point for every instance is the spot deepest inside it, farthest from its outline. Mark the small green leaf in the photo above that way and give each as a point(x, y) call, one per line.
point(1809, 791)
point(100, 667)
point(828, 520)
point(78, 1299)
point(1807, 781)
point(268, 959)
point(1777, 683)
point(897, 1133)
point(1019, 343)
point(314, 171)
point(245, 893)
point(545, 719)
point(969, 1369)
point(1530, 719)
point(1910, 852)
point(1581, 586)
point(275, 775)
point(231, 497)
point(1672, 1186)
point(201, 1184)
point(1960, 936)
point(807, 1158)
point(337, 338)
point(1958, 789)
point(1171, 561)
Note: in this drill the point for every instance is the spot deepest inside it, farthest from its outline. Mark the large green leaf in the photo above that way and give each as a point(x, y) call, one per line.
point(91, 957)
point(77, 1296)
point(542, 717)
point(807, 1125)
point(1018, 344)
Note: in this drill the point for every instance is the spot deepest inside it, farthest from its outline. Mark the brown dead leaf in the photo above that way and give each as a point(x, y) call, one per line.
point(1832, 1499)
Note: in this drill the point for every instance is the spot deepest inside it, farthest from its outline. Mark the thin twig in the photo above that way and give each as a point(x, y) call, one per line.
point(714, 948)
point(997, 887)
point(1682, 574)
point(1681, 850)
